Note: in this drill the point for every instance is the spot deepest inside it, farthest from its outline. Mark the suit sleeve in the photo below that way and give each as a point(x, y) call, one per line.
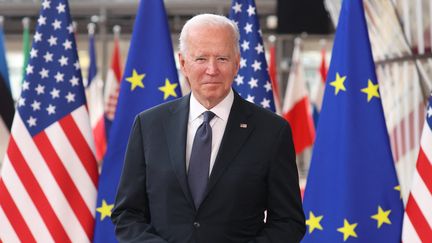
point(285, 218)
point(131, 215)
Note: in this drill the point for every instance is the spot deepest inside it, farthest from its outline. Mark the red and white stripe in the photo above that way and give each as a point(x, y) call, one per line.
point(94, 94)
point(296, 107)
point(319, 95)
point(48, 184)
point(113, 79)
point(403, 136)
point(111, 103)
point(417, 225)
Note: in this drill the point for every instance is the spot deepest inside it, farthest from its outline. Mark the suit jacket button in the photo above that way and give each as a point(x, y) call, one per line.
point(196, 224)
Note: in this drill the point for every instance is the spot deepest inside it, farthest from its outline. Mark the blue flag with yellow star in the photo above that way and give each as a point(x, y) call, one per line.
point(352, 192)
point(150, 78)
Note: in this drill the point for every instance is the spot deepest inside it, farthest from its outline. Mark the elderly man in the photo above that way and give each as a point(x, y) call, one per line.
point(206, 167)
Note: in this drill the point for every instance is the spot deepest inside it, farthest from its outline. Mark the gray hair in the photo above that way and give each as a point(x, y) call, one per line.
point(209, 20)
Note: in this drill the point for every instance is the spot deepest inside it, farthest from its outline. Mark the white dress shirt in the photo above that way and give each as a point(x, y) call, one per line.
point(218, 124)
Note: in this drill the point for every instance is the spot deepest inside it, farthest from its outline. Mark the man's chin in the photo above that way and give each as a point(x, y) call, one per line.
point(213, 97)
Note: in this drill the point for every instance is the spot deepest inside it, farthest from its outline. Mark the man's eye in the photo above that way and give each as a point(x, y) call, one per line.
point(222, 59)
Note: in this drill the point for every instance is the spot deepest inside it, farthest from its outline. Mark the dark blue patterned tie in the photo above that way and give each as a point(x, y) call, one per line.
point(199, 162)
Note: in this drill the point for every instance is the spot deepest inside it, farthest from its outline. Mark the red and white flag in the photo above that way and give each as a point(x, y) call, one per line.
point(113, 80)
point(49, 178)
point(417, 226)
point(296, 107)
point(94, 94)
point(318, 97)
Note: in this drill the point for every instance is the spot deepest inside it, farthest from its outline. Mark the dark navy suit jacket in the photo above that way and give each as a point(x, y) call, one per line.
point(255, 171)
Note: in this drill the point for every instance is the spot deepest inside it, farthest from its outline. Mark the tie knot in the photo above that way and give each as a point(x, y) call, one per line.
point(208, 116)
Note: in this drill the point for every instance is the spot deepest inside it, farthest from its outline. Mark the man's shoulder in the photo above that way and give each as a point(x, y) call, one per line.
point(166, 108)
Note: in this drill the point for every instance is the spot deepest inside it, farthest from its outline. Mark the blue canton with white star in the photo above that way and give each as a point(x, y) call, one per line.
point(53, 85)
point(253, 80)
point(429, 113)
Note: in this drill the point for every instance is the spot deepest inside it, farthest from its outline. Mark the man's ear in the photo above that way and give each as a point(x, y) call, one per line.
point(238, 57)
point(182, 62)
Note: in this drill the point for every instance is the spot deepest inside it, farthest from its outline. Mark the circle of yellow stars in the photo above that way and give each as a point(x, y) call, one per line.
point(339, 85)
point(348, 229)
point(136, 80)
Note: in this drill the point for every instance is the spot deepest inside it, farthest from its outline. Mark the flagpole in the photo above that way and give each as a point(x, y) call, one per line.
point(117, 31)
point(90, 30)
point(3, 62)
point(103, 36)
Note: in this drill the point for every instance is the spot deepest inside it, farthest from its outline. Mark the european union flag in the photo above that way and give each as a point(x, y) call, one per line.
point(150, 78)
point(352, 192)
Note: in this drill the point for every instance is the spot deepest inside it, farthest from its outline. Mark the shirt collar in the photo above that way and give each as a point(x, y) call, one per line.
point(221, 110)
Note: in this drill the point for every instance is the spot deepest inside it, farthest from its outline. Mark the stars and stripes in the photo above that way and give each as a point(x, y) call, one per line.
point(417, 226)
point(253, 81)
point(49, 179)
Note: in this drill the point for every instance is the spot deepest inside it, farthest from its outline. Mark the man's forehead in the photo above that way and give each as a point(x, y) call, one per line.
point(199, 29)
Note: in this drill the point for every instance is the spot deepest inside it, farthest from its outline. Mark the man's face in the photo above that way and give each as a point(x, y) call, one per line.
point(210, 63)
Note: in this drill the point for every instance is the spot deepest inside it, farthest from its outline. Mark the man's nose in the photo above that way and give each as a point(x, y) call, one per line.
point(212, 68)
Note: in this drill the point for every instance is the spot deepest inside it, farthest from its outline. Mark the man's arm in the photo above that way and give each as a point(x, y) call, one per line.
point(285, 218)
point(131, 215)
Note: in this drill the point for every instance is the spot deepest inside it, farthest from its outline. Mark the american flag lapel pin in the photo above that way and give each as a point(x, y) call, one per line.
point(243, 125)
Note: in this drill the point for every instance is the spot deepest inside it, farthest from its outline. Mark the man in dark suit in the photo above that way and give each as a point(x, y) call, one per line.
point(206, 167)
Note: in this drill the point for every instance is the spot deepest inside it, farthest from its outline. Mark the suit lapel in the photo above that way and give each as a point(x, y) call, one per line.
point(236, 133)
point(175, 132)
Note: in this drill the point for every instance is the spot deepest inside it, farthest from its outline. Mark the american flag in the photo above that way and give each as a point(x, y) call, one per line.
point(417, 226)
point(252, 81)
point(49, 177)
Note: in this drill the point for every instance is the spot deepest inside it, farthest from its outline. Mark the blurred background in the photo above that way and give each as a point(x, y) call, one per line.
point(400, 32)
